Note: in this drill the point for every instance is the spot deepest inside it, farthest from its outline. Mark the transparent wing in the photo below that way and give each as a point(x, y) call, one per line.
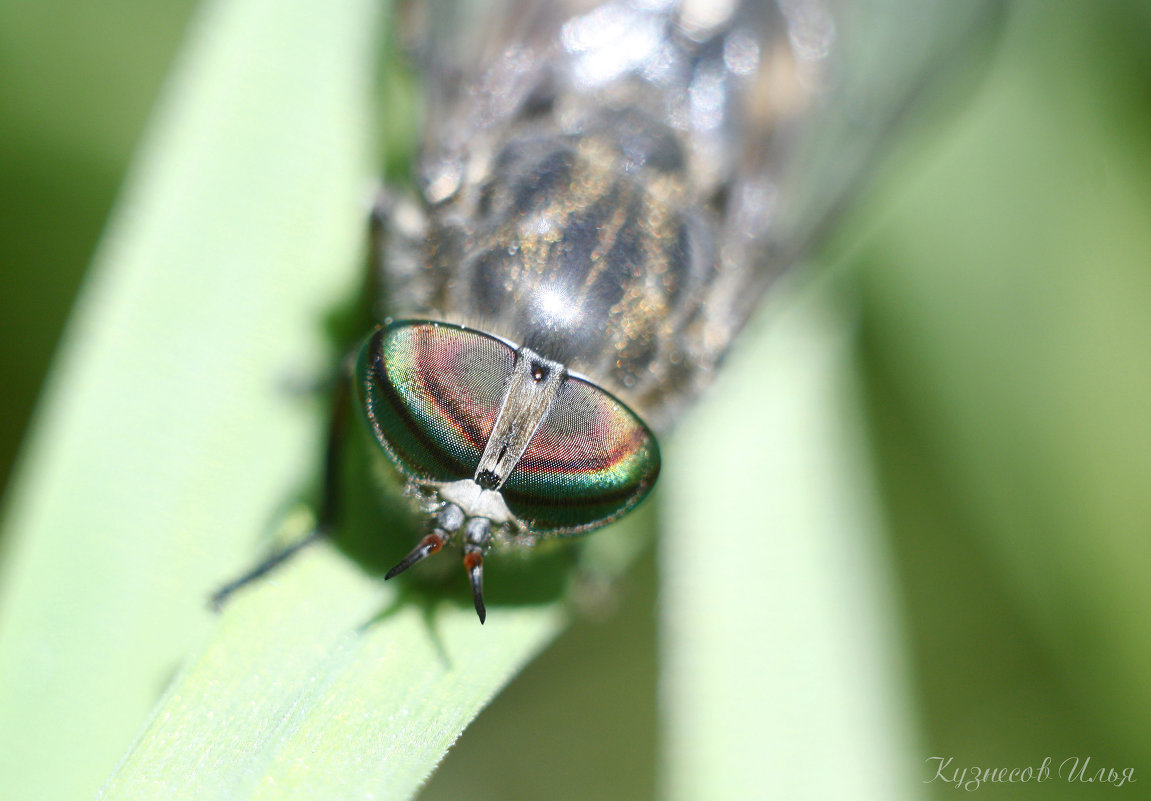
point(833, 81)
point(864, 63)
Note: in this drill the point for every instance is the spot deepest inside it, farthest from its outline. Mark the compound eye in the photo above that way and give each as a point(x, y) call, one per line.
point(589, 463)
point(431, 393)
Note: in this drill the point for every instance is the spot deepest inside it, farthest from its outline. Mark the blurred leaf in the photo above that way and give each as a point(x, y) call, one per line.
point(783, 670)
point(165, 442)
point(72, 105)
point(1009, 323)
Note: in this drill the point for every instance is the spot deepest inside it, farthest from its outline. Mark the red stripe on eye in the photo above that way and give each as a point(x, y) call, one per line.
point(443, 385)
point(590, 461)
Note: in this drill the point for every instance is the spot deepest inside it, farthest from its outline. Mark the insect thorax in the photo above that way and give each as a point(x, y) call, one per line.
point(587, 219)
point(561, 247)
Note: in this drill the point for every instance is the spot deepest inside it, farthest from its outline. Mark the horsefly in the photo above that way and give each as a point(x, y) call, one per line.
point(604, 193)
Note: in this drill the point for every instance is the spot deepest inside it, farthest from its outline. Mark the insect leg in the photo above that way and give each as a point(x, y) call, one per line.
point(329, 501)
point(396, 250)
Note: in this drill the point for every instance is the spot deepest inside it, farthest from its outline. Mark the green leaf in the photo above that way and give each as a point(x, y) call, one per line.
point(1010, 371)
point(781, 659)
point(323, 685)
point(164, 442)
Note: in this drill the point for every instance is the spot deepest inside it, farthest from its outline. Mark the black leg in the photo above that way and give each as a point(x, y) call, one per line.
point(329, 500)
point(221, 596)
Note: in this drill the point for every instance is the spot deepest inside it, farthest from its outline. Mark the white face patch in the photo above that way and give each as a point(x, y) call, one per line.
point(475, 501)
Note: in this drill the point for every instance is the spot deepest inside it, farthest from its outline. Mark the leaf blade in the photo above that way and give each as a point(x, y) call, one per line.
point(780, 651)
point(237, 230)
point(325, 685)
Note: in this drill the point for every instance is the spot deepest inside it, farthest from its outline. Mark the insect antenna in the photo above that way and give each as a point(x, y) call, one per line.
point(474, 564)
point(426, 547)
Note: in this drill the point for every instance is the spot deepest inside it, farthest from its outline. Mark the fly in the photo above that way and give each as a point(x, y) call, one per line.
point(604, 193)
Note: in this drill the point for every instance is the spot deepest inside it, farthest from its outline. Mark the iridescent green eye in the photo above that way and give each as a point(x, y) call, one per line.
point(590, 462)
point(432, 393)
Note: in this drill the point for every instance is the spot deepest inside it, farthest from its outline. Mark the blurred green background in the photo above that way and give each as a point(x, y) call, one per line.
point(77, 81)
point(1001, 270)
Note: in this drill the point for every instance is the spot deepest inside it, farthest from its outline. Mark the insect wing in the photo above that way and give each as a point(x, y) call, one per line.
point(864, 63)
